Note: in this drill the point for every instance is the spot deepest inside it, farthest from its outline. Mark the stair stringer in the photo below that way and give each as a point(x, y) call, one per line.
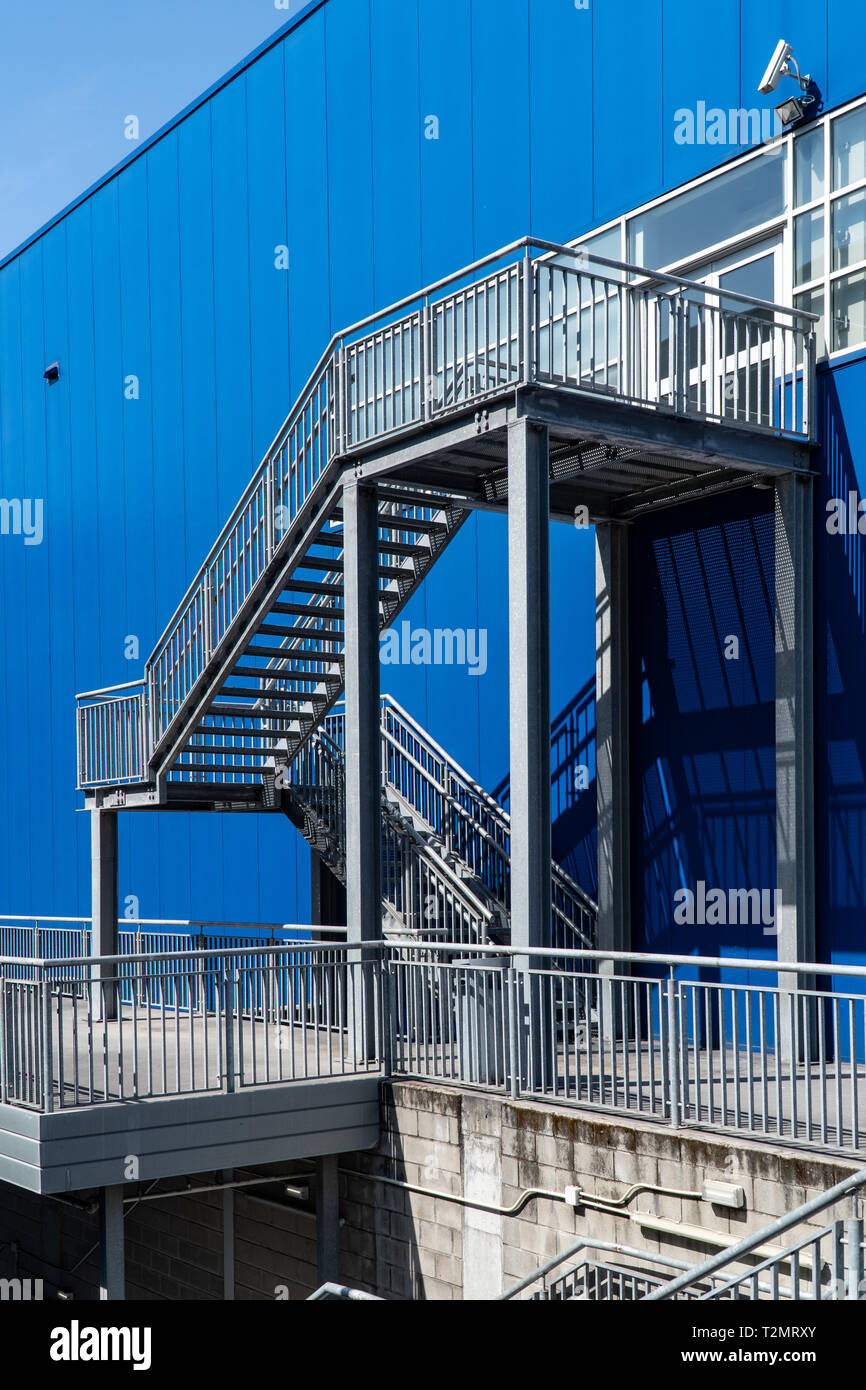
point(259, 605)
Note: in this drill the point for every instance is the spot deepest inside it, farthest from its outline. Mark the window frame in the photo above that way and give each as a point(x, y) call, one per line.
point(784, 223)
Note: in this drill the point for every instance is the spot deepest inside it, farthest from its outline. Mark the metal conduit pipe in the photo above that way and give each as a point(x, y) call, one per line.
point(585, 1199)
point(292, 1189)
point(298, 1191)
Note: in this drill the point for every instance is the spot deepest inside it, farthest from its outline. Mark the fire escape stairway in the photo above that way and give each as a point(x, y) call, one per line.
point(242, 681)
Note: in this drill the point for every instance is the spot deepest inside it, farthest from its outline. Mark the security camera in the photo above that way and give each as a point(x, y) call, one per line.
point(778, 67)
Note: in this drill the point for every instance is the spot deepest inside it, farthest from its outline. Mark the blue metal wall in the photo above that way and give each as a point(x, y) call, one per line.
point(167, 271)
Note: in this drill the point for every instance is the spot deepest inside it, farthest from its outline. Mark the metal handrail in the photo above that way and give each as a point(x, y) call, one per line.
point(513, 1019)
point(749, 1243)
point(327, 422)
point(582, 903)
point(434, 867)
point(662, 961)
point(608, 1247)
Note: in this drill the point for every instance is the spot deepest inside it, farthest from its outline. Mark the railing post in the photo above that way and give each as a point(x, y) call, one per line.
point(673, 1027)
point(839, 1265)
point(854, 1255)
point(811, 393)
point(341, 395)
point(207, 618)
point(229, 1028)
point(47, 1054)
point(514, 1015)
point(448, 804)
point(151, 708)
point(4, 1047)
point(528, 374)
point(681, 384)
point(270, 513)
point(388, 1012)
point(430, 364)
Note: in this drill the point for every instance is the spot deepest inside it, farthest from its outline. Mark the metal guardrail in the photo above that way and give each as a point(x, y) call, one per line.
point(113, 742)
point(182, 1022)
point(638, 1034)
point(467, 822)
point(550, 314)
point(825, 1264)
point(422, 894)
point(615, 1032)
point(591, 1279)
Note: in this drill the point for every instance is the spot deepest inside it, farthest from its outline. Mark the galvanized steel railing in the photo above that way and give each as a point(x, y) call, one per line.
point(182, 1022)
point(430, 789)
point(422, 894)
point(113, 737)
point(515, 1020)
point(550, 314)
point(621, 1033)
point(824, 1264)
point(467, 822)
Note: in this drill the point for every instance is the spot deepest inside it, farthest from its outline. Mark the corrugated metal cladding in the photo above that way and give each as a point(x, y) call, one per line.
point(552, 117)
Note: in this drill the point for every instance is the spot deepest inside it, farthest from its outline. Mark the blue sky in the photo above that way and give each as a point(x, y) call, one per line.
point(71, 71)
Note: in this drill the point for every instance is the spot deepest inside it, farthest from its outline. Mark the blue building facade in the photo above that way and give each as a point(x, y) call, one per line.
point(372, 147)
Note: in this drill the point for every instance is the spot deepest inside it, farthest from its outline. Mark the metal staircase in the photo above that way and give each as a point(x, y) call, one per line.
point(650, 388)
point(446, 842)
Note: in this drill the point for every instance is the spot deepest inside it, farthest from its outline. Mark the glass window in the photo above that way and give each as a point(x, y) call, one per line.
point(809, 246)
point(849, 148)
point(607, 243)
point(809, 167)
point(849, 311)
point(849, 230)
point(813, 302)
point(729, 205)
point(756, 278)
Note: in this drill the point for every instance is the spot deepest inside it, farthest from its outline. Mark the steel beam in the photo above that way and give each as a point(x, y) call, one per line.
point(362, 743)
point(104, 908)
point(795, 747)
point(327, 1219)
point(612, 736)
point(112, 1281)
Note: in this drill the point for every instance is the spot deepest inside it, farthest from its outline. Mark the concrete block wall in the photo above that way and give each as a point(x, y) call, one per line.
point(403, 1244)
point(508, 1164)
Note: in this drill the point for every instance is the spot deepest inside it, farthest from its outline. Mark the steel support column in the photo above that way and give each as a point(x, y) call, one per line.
point(362, 735)
point(529, 681)
point(612, 755)
point(612, 736)
point(112, 1279)
point(795, 749)
point(327, 1220)
point(228, 1197)
point(529, 722)
point(104, 908)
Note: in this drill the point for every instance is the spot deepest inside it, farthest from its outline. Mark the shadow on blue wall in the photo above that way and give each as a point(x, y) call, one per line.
point(840, 666)
point(572, 789)
point(702, 747)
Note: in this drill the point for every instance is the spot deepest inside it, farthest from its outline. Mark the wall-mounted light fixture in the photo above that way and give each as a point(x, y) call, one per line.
point(52, 373)
point(794, 109)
